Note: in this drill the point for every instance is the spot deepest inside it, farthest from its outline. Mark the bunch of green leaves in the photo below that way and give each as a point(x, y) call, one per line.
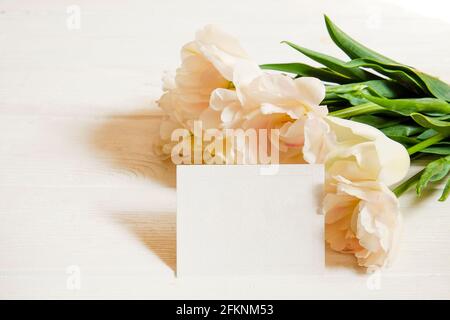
point(409, 106)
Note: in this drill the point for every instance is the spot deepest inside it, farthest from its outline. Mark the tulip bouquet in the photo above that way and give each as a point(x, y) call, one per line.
point(364, 119)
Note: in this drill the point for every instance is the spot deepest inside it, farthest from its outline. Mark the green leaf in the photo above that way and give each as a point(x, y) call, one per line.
point(408, 106)
point(423, 144)
point(377, 121)
point(305, 70)
point(397, 73)
point(335, 103)
point(402, 130)
point(408, 77)
point(434, 171)
point(442, 148)
point(353, 98)
point(436, 87)
point(427, 122)
point(446, 191)
point(346, 88)
point(427, 134)
point(334, 64)
point(355, 50)
point(362, 109)
point(407, 184)
point(353, 92)
point(384, 88)
point(443, 118)
point(350, 46)
point(405, 141)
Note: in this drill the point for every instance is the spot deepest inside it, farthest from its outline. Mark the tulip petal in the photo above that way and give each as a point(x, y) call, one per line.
point(311, 90)
point(221, 49)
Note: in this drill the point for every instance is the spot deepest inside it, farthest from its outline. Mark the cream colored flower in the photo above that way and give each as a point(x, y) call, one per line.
point(262, 100)
point(362, 218)
point(361, 213)
point(225, 110)
point(280, 94)
point(207, 64)
point(356, 151)
point(275, 101)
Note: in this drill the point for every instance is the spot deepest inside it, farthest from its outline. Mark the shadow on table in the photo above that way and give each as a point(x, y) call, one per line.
point(157, 231)
point(126, 141)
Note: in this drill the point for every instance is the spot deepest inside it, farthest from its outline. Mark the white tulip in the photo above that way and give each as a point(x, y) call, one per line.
point(218, 84)
point(362, 215)
point(354, 150)
point(362, 218)
point(208, 63)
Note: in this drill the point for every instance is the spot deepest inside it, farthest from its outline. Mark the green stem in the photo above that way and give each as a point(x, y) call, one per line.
point(364, 108)
point(425, 143)
point(345, 88)
point(405, 185)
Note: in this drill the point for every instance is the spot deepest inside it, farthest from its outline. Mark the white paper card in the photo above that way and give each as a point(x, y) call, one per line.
point(248, 220)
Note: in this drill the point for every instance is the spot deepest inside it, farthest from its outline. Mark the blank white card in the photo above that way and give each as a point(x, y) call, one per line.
point(247, 220)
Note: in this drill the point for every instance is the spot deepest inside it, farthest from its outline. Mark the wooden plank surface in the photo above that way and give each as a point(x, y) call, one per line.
point(80, 188)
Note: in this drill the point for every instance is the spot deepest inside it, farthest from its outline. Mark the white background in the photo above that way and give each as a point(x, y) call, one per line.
point(86, 212)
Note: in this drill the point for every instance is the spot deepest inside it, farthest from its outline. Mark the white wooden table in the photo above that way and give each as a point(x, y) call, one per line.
point(84, 210)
